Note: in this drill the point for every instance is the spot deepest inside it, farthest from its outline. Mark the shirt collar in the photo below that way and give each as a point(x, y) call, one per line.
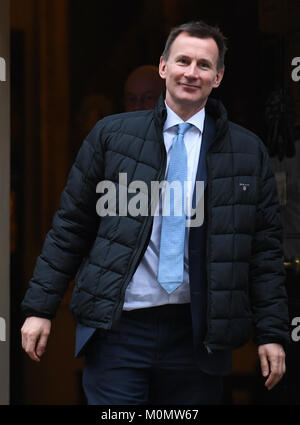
point(173, 119)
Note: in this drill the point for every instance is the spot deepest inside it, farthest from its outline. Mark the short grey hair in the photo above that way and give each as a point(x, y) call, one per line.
point(201, 30)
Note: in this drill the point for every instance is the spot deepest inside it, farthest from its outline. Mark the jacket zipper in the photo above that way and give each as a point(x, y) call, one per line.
point(207, 252)
point(116, 315)
point(206, 339)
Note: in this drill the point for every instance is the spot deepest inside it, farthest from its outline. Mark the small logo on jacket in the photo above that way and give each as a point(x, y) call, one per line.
point(244, 186)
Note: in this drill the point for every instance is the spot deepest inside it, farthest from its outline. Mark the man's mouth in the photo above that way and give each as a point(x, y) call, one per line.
point(194, 86)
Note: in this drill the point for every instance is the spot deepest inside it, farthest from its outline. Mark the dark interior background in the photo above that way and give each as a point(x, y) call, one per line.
point(63, 51)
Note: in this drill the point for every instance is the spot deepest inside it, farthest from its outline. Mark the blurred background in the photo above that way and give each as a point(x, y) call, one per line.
point(70, 60)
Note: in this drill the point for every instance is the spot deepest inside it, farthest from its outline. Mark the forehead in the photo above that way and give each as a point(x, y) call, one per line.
point(185, 44)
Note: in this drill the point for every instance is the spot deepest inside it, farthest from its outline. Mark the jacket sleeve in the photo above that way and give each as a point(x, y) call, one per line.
point(73, 231)
point(267, 273)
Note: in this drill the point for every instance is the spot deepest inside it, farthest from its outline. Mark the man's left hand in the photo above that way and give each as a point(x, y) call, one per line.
point(272, 362)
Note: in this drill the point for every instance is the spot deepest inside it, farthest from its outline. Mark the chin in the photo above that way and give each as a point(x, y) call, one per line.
point(191, 100)
point(185, 95)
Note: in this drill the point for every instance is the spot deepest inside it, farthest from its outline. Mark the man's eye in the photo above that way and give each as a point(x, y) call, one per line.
point(184, 61)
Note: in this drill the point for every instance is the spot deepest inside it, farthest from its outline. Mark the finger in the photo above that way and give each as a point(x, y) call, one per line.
point(277, 371)
point(264, 365)
point(41, 345)
point(273, 380)
point(284, 365)
point(23, 337)
point(29, 344)
point(31, 349)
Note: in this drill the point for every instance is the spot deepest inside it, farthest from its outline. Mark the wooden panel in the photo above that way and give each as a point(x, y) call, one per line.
point(54, 104)
point(56, 380)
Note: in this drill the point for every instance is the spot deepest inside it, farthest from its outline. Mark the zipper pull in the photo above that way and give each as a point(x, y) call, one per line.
point(208, 349)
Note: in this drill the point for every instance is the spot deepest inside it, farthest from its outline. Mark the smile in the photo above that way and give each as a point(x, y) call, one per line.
point(189, 85)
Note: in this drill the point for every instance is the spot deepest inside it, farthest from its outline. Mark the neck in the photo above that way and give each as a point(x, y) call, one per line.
point(185, 111)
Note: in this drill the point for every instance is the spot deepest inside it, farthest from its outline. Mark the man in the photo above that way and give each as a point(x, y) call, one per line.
point(161, 306)
point(142, 88)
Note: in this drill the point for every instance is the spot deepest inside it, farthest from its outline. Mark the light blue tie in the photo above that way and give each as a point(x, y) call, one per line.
point(171, 254)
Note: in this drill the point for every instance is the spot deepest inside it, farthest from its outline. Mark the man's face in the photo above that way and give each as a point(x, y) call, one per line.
point(190, 72)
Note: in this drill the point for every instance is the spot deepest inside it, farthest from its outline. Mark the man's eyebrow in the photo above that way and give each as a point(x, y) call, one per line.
point(184, 56)
point(203, 60)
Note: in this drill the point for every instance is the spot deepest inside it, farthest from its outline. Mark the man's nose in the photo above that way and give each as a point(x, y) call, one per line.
point(192, 71)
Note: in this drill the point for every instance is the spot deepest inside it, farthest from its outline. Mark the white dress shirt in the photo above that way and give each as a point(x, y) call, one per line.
point(144, 290)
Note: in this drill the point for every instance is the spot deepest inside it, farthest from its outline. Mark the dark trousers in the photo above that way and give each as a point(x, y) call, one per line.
point(149, 360)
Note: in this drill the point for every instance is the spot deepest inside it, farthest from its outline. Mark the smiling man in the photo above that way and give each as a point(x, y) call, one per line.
point(191, 69)
point(160, 306)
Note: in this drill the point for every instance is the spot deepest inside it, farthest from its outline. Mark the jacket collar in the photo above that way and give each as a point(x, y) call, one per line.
point(213, 107)
point(160, 111)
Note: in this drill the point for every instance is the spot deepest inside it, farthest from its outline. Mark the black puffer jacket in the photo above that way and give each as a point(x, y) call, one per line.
point(244, 266)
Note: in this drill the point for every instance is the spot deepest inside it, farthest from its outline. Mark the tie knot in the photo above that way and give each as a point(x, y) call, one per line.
point(183, 127)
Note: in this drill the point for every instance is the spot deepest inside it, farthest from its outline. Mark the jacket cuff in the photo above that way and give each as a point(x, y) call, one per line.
point(284, 342)
point(30, 313)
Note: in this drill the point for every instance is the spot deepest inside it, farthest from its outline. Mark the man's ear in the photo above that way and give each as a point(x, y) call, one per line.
point(162, 68)
point(219, 78)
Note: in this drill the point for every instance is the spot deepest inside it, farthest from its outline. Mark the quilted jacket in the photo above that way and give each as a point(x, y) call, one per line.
point(244, 259)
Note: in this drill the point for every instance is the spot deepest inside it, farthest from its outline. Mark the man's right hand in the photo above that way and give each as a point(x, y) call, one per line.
point(35, 332)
